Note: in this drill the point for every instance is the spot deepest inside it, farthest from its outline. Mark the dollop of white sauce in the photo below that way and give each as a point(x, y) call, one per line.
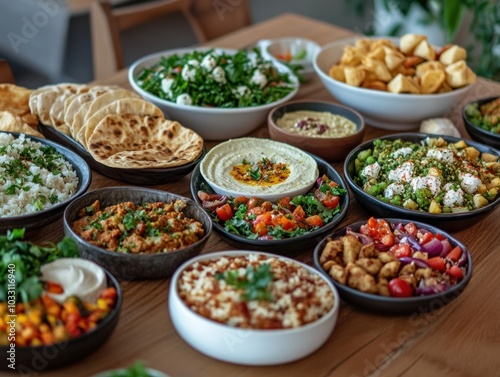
point(78, 277)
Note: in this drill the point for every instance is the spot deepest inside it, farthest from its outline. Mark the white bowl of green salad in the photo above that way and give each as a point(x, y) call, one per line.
point(218, 93)
point(431, 178)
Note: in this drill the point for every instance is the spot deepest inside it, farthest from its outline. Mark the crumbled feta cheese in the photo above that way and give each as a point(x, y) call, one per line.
point(453, 198)
point(241, 91)
point(166, 86)
point(208, 63)
point(219, 75)
point(469, 182)
point(441, 155)
point(402, 152)
point(188, 72)
point(258, 78)
point(371, 171)
point(184, 99)
point(193, 62)
point(402, 173)
point(431, 182)
point(394, 189)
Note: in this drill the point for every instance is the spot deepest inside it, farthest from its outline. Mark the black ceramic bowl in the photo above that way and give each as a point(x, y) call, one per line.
point(135, 266)
point(41, 358)
point(396, 305)
point(284, 246)
point(478, 133)
point(373, 205)
point(49, 215)
point(146, 176)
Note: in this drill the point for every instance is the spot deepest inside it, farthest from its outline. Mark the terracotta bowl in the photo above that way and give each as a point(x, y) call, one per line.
point(328, 148)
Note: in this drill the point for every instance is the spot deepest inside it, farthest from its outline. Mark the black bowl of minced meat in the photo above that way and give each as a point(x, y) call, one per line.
point(137, 233)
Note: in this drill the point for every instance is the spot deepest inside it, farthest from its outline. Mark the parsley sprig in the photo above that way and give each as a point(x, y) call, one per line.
point(254, 284)
point(28, 258)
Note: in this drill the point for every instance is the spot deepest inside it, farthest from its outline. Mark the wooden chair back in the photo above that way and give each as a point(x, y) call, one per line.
point(206, 20)
point(6, 75)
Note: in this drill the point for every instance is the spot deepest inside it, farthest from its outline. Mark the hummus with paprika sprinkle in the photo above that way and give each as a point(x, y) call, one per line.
point(258, 167)
point(316, 124)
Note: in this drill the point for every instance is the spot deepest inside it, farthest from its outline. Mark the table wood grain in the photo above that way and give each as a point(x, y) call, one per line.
point(461, 339)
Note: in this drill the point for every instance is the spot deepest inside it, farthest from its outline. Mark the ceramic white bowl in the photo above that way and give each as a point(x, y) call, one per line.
point(398, 112)
point(248, 346)
point(210, 123)
point(218, 162)
point(272, 48)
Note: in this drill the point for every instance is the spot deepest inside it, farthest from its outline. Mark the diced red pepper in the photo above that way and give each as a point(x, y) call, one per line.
point(455, 254)
point(437, 263)
point(455, 272)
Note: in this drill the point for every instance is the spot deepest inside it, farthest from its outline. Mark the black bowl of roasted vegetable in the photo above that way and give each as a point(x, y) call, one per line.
point(394, 266)
point(48, 324)
point(442, 180)
point(482, 120)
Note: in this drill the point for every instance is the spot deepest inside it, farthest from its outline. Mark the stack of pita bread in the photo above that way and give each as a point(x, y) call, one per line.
point(15, 114)
point(116, 126)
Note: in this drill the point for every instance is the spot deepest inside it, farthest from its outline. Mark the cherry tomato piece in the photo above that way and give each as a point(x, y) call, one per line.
point(399, 288)
point(437, 263)
point(331, 201)
point(315, 220)
point(225, 212)
point(455, 272)
point(455, 254)
point(401, 250)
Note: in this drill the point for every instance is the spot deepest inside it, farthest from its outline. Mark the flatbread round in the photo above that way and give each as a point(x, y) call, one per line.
point(57, 110)
point(107, 98)
point(14, 123)
point(15, 99)
point(42, 99)
point(134, 106)
point(78, 100)
point(143, 141)
point(78, 120)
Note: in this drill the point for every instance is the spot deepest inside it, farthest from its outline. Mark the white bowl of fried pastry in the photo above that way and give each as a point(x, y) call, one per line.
point(395, 83)
point(252, 308)
point(116, 126)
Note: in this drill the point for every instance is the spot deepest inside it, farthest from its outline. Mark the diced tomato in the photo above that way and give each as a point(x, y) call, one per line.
point(260, 229)
point(285, 202)
point(401, 250)
point(225, 212)
point(426, 238)
point(437, 263)
point(315, 220)
point(411, 229)
point(331, 201)
point(254, 202)
point(372, 222)
point(241, 199)
point(287, 224)
point(265, 218)
point(52, 287)
point(387, 239)
point(333, 184)
point(440, 237)
point(455, 272)
point(399, 288)
point(298, 213)
point(455, 254)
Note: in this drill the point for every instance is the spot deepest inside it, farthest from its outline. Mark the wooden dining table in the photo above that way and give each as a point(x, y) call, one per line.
point(460, 339)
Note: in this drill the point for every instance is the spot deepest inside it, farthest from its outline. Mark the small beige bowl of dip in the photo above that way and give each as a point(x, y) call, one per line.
point(326, 129)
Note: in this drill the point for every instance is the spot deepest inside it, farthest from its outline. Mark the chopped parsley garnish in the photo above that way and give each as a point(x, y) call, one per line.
point(254, 284)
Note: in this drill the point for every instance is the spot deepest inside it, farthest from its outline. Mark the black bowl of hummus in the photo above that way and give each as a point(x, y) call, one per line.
point(442, 180)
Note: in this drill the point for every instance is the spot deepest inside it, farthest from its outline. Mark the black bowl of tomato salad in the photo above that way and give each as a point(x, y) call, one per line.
point(394, 266)
point(285, 227)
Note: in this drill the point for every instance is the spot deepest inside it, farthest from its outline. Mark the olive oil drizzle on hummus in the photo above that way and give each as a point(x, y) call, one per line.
point(261, 173)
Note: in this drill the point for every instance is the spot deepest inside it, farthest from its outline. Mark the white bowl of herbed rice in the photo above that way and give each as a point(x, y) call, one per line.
point(218, 93)
point(38, 179)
